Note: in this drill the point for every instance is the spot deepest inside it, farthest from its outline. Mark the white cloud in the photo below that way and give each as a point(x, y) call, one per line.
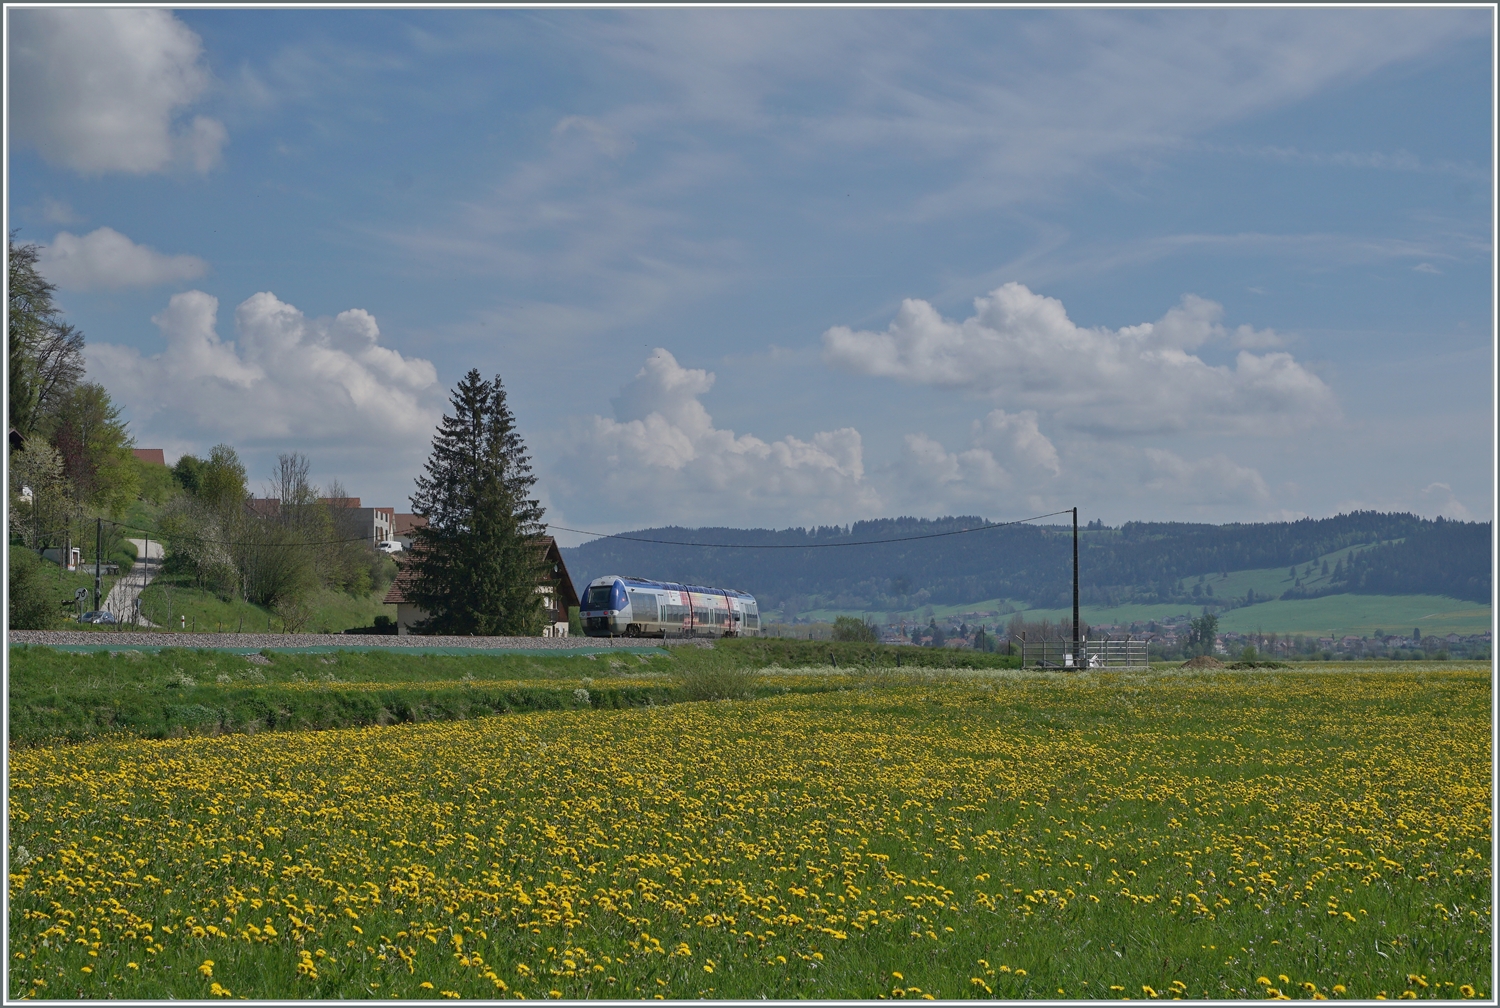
point(106, 258)
point(600, 134)
point(59, 212)
point(1016, 438)
point(1426, 267)
point(1008, 456)
point(290, 382)
point(1212, 480)
point(98, 89)
point(662, 456)
point(1139, 379)
point(1438, 499)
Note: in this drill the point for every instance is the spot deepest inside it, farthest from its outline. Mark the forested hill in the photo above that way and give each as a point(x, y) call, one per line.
point(1138, 562)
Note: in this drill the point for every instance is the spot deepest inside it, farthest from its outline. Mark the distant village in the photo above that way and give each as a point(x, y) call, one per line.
point(987, 631)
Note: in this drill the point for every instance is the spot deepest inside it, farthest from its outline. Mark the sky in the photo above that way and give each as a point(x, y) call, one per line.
point(789, 267)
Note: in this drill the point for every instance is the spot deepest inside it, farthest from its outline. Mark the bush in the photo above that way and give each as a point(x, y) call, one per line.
point(32, 605)
point(718, 682)
point(124, 555)
point(847, 628)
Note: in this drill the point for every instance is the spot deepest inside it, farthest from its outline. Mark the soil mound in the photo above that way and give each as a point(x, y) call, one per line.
point(1203, 661)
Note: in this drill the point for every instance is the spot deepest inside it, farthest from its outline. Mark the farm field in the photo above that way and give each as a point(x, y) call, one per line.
point(1332, 614)
point(975, 833)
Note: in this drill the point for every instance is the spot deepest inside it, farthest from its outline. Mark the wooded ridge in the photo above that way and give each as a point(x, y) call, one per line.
point(1139, 562)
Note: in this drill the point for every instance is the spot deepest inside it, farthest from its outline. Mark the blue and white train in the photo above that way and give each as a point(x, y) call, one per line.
point(634, 607)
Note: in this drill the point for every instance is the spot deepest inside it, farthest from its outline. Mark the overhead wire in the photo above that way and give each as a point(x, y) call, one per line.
point(832, 545)
point(629, 538)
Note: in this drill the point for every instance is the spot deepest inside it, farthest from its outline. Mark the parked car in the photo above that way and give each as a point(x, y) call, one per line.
point(97, 616)
point(389, 546)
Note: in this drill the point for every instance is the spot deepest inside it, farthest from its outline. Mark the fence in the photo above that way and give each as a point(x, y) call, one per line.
point(1099, 653)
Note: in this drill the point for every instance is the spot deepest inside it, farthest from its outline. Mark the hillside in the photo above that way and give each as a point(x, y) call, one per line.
point(1139, 564)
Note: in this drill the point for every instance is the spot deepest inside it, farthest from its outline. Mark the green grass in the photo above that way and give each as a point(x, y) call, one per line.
point(1028, 836)
point(166, 601)
point(62, 585)
point(1336, 615)
point(61, 695)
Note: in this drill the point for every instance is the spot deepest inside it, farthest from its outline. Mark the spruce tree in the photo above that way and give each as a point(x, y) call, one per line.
point(478, 562)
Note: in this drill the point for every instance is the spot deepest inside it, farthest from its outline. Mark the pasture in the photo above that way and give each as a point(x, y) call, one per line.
point(908, 834)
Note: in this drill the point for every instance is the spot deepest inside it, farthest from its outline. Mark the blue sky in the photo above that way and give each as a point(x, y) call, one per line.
point(785, 267)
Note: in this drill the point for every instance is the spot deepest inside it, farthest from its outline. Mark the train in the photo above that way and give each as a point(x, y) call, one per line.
point(615, 606)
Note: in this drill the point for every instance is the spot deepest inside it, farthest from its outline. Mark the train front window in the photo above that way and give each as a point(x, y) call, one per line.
point(596, 598)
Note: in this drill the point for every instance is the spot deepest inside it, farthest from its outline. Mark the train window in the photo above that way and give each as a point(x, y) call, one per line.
point(596, 597)
point(643, 607)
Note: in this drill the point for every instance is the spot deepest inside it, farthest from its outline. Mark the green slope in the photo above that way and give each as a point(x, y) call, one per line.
point(1364, 615)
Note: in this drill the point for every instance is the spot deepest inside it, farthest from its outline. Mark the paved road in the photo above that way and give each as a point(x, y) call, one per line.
point(124, 597)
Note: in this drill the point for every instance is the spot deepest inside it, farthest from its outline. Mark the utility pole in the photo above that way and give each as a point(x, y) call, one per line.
point(98, 569)
point(1076, 622)
point(145, 560)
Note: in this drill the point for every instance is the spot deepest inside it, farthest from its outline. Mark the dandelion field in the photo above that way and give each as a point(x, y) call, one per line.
point(1248, 834)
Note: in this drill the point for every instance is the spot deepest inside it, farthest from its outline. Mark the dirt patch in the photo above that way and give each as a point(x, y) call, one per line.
point(1203, 661)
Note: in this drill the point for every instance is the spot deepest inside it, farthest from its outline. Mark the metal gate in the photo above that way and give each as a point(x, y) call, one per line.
point(1102, 653)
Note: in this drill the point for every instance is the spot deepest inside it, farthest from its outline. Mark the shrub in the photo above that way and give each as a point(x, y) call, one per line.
point(847, 628)
point(32, 606)
point(717, 681)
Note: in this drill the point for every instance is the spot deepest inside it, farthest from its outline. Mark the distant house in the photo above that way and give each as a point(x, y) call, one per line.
point(355, 521)
point(557, 597)
point(264, 507)
point(155, 456)
point(352, 521)
point(402, 526)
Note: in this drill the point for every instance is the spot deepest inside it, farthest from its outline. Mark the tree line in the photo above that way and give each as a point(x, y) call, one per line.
point(69, 450)
point(1136, 563)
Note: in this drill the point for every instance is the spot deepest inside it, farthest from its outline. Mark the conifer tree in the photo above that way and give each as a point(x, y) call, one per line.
point(477, 562)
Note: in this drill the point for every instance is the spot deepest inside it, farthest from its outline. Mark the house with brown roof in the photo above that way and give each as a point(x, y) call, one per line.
point(558, 595)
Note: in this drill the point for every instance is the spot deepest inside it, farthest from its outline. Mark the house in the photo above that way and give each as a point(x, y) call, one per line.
point(73, 555)
point(402, 526)
point(264, 507)
point(360, 522)
point(557, 597)
point(351, 520)
point(155, 456)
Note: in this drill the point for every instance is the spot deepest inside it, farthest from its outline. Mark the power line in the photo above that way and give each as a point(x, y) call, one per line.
point(870, 542)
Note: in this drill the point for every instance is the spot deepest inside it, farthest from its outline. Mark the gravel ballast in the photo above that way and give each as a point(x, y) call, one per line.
point(276, 642)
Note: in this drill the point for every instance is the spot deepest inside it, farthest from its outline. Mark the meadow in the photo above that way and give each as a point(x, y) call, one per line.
point(58, 695)
point(901, 834)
